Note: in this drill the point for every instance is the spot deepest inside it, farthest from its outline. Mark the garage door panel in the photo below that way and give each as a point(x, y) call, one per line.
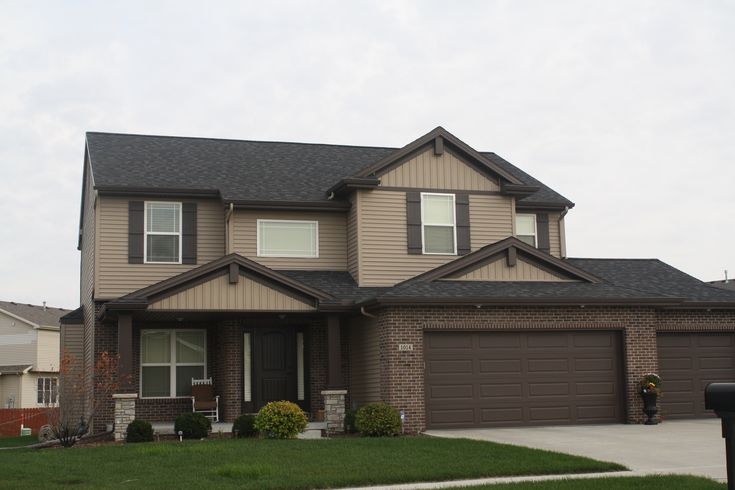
point(453, 392)
point(687, 363)
point(537, 378)
point(449, 342)
point(463, 366)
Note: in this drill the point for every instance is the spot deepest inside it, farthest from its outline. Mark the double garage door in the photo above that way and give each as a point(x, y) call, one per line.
point(687, 363)
point(491, 379)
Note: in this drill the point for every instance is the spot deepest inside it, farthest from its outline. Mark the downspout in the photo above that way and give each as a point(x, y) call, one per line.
point(562, 233)
point(369, 315)
point(228, 229)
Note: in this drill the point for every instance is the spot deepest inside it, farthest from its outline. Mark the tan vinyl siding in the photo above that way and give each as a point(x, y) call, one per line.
point(554, 234)
point(500, 271)
point(48, 351)
point(353, 240)
point(445, 171)
point(364, 361)
point(384, 259)
point(219, 294)
point(18, 342)
point(10, 387)
point(88, 281)
point(72, 339)
point(332, 239)
point(117, 277)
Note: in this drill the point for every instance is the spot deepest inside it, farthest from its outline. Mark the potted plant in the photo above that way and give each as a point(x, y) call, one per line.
point(650, 389)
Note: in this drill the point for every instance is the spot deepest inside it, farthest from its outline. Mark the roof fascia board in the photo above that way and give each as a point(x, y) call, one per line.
point(484, 300)
point(542, 206)
point(112, 190)
point(332, 206)
point(449, 139)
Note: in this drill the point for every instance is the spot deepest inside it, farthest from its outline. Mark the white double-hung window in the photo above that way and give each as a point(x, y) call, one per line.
point(288, 238)
point(526, 228)
point(169, 359)
point(162, 232)
point(47, 392)
point(438, 224)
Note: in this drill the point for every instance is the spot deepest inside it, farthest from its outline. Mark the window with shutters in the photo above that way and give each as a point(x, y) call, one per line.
point(526, 228)
point(438, 224)
point(162, 225)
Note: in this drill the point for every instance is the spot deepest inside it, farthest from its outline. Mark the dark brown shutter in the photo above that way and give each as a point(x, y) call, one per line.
point(413, 220)
point(462, 203)
point(189, 233)
point(542, 229)
point(135, 232)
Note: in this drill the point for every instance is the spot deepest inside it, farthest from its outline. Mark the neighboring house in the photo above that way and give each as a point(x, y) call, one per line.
point(432, 277)
point(29, 355)
point(725, 284)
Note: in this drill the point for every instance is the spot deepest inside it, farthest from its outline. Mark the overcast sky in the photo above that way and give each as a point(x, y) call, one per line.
point(626, 108)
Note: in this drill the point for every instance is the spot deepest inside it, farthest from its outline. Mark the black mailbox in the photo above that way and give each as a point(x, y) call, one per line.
point(720, 397)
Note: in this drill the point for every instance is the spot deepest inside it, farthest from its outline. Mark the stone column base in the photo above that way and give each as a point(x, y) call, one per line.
point(334, 410)
point(124, 413)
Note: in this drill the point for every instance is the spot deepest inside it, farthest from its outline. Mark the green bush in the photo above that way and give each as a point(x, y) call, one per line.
point(244, 426)
point(280, 420)
point(193, 425)
point(139, 431)
point(377, 420)
point(350, 421)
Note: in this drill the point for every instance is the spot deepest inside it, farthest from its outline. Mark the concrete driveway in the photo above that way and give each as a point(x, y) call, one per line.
point(693, 447)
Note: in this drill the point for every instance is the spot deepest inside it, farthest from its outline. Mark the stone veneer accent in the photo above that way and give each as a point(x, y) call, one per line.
point(124, 413)
point(402, 373)
point(334, 410)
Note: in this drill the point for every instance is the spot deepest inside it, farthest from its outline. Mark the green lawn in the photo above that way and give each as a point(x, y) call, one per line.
point(667, 482)
point(293, 464)
point(17, 441)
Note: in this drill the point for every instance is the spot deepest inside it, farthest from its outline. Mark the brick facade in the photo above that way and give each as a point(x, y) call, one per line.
point(402, 373)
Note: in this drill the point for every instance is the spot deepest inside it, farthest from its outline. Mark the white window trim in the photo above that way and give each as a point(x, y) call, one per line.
point(260, 252)
point(146, 232)
point(535, 227)
point(172, 365)
point(47, 403)
point(424, 223)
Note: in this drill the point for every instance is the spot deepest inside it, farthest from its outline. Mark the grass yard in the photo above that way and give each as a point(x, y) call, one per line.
point(17, 441)
point(266, 464)
point(667, 482)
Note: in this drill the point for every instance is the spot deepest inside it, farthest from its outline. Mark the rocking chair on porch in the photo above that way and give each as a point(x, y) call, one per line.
point(203, 399)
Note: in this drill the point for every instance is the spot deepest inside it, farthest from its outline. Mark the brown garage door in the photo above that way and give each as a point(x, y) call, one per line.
point(490, 379)
point(687, 362)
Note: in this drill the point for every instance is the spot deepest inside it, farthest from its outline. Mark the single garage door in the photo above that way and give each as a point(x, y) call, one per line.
point(491, 379)
point(687, 362)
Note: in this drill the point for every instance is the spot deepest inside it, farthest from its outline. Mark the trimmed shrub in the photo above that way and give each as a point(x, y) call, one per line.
point(139, 431)
point(280, 420)
point(350, 421)
point(244, 426)
point(193, 425)
point(377, 420)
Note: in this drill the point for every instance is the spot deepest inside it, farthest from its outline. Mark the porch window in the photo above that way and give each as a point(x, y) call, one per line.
point(169, 360)
point(162, 232)
point(526, 228)
point(438, 229)
point(47, 392)
point(288, 238)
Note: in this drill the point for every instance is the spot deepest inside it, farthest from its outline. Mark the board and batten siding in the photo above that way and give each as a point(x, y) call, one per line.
point(364, 345)
point(429, 171)
point(332, 239)
point(384, 259)
point(499, 270)
point(219, 294)
point(116, 277)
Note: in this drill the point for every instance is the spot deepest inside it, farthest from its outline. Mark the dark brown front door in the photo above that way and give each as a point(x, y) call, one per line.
point(687, 363)
point(275, 365)
point(492, 379)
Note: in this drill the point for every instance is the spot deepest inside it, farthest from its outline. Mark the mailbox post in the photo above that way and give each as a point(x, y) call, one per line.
point(720, 397)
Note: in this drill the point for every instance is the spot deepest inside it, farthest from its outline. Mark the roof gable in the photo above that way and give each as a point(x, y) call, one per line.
point(481, 265)
point(239, 278)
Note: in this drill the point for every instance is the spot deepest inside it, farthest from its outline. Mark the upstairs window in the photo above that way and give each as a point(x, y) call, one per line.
point(526, 228)
point(438, 229)
point(47, 392)
point(162, 232)
point(287, 238)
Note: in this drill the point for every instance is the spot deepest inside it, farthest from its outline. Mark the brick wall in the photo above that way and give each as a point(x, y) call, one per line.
point(402, 373)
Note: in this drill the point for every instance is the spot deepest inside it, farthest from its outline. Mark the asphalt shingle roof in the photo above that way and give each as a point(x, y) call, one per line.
point(48, 317)
point(245, 170)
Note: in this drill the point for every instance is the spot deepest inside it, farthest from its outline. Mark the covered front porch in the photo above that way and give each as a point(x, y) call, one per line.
point(260, 338)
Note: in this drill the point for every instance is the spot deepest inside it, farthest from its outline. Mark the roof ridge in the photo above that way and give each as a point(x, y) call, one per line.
point(139, 135)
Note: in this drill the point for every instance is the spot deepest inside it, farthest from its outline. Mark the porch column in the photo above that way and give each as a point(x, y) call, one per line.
point(125, 351)
point(334, 395)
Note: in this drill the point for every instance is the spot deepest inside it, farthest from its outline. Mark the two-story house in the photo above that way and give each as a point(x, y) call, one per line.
point(433, 277)
point(29, 355)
